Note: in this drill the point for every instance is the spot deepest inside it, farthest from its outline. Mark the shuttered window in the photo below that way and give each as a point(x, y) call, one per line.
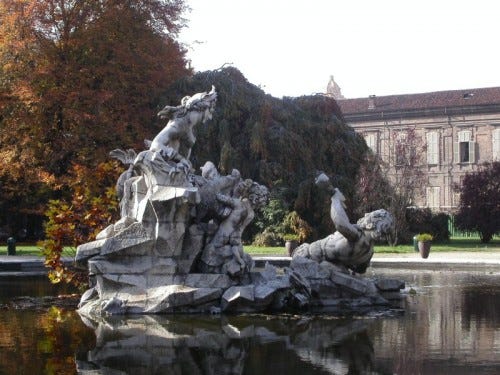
point(372, 141)
point(496, 144)
point(433, 193)
point(432, 148)
point(465, 148)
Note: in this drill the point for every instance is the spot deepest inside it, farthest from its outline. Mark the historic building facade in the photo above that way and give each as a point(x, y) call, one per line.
point(459, 130)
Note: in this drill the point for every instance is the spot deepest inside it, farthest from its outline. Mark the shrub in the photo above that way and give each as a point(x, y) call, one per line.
point(291, 237)
point(294, 226)
point(424, 220)
point(268, 238)
point(424, 237)
point(479, 208)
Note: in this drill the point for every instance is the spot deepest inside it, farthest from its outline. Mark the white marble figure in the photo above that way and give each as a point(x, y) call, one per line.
point(177, 137)
point(224, 253)
point(351, 245)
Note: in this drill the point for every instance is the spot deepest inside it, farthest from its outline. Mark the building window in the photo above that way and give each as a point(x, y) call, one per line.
point(496, 144)
point(371, 140)
point(432, 148)
point(432, 194)
point(465, 148)
point(402, 150)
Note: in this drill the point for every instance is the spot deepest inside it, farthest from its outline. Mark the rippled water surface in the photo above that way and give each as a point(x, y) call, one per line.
point(450, 325)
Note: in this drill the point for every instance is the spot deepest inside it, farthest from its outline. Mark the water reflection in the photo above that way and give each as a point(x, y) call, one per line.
point(230, 345)
point(41, 342)
point(450, 326)
point(37, 286)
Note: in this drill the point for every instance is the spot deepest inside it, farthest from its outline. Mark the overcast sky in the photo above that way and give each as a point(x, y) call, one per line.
point(371, 47)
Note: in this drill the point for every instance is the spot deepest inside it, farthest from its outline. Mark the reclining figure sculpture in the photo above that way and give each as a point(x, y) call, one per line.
point(351, 246)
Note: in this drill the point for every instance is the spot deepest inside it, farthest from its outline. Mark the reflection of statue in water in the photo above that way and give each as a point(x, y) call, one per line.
point(205, 344)
point(224, 253)
point(352, 244)
point(176, 139)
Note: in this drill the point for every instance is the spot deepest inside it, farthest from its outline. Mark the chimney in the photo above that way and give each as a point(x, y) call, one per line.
point(371, 102)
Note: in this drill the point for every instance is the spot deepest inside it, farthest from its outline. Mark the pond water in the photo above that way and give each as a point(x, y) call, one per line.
point(450, 325)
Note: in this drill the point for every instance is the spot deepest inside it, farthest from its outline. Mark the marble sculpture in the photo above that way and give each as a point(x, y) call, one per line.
point(177, 246)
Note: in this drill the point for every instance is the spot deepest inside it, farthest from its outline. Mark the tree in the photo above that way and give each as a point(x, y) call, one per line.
point(280, 143)
point(373, 190)
point(75, 78)
point(479, 208)
point(93, 206)
point(406, 178)
point(393, 183)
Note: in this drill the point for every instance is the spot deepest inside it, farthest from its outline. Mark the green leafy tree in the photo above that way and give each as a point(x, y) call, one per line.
point(479, 208)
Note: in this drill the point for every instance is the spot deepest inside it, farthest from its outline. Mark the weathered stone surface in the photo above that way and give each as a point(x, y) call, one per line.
point(166, 193)
point(138, 280)
point(354, 284)
point(389, 285)
point(325, 288)
point(199, 280)
point(133, 240)
point(163, 266)
point(125, 265)
point(269, 274)
point(238, 298)
point(309, 268)
point(192, 247)
point(107, 232)
point(88, 250)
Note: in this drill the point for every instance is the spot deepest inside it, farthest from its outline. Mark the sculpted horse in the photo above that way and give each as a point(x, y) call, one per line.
point(176, 139)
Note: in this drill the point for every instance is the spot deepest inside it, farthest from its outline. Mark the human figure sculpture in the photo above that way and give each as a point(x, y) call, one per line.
point(351, 246)
point(210, 184)
point(176, 139)
point(224, 253)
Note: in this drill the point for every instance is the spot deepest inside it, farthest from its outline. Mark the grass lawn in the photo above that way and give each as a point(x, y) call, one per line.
point(455, 244)
point(30, 249)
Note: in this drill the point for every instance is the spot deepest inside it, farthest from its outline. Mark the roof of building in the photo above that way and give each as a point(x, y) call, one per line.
point(422, 101)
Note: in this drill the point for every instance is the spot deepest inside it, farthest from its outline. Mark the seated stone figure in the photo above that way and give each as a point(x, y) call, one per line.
point(351, 246)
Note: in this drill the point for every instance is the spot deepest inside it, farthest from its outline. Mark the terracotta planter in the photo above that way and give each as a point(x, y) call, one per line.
point(424, 248)
point(290, 246)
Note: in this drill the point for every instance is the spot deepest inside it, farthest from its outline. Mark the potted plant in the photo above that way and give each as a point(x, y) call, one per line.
point(424, 244)
point(291, 242)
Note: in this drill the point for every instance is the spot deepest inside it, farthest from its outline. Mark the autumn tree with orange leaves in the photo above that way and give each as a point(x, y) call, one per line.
point(76, 79)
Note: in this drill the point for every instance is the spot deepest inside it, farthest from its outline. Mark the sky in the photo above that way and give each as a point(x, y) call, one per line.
point(371, 47)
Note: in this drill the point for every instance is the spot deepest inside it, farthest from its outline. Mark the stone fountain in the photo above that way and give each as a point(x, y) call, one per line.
point(177, 247)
